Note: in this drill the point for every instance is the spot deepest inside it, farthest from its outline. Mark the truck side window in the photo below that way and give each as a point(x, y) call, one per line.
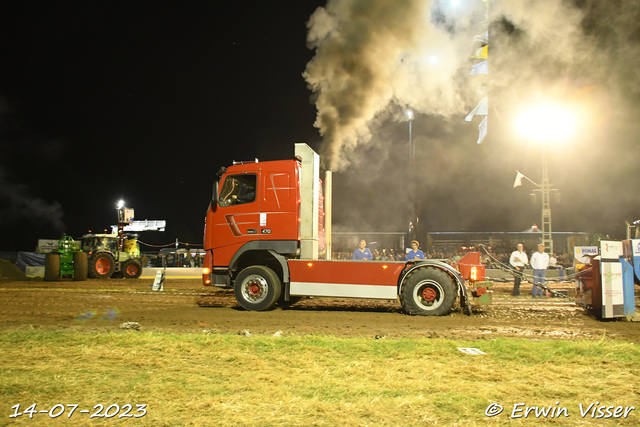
point(238, 189)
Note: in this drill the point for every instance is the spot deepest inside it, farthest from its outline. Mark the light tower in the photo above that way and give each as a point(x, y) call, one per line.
point(125, 217)
point(544, 124)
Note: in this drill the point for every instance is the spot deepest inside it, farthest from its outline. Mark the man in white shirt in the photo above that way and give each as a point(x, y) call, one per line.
point(518, 260)
point(539, 263)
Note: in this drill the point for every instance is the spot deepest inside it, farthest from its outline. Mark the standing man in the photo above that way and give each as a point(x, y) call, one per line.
point(415, 253)
point(518, 260)
point(539, 263)
point(362, 253)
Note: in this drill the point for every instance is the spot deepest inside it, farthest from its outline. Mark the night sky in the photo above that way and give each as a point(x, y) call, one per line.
point(144, 101)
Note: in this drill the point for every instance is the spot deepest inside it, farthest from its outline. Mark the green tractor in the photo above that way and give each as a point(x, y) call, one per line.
point(107, 260)
point(66, 261)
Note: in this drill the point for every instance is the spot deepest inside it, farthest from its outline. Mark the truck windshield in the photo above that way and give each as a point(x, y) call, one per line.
point(238, 189)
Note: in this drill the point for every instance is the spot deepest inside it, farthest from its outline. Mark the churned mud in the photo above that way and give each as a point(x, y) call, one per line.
point(187, 306)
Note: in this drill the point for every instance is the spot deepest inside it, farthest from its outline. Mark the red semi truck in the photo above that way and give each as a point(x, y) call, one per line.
point(264, 234)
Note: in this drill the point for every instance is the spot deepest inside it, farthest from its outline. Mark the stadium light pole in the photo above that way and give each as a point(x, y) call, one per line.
point(411, 149)
point(545, 124)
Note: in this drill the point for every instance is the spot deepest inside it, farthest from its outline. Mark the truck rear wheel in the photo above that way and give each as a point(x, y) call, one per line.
point(132, 269)
point(80, 266)
point(101, 266)
point(427, 292)
point(52, 267)
point(257, 288)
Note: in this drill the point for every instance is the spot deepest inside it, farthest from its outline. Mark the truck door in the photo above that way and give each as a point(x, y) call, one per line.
point(278, 202)
point(237, 219)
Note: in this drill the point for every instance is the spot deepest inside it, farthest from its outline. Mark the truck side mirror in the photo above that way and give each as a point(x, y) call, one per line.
point(214, 199)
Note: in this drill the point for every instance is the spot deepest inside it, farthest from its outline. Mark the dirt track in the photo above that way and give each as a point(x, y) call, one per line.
point(187, 306)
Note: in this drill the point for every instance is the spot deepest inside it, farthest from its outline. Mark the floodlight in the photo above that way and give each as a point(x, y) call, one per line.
point(546, 123)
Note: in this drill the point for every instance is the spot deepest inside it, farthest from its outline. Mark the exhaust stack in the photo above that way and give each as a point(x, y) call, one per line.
point(328, 205)
point(309, 203)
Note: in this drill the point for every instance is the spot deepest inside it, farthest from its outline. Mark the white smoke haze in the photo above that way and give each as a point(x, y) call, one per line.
point(374, 60)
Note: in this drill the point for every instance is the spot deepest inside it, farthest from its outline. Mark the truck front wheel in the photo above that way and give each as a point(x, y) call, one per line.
point(257, 288)
point(427, 292)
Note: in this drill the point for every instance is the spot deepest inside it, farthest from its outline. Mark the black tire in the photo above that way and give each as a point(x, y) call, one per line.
point(428, 292)
point(101, 265)
point(80, 266)
point(131, 269)
point(52, 267)
point(257, 288)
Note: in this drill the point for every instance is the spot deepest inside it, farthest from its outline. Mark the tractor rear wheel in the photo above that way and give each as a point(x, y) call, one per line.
point(102, 265)
point(131, 269)
point(428, 292)
point(52, 267)
point(257, 288)
point(80, 266)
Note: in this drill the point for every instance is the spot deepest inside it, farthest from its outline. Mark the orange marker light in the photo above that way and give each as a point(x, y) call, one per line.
point(474, 273)
point(206, 271)
point(309, 264)
point(385, 267)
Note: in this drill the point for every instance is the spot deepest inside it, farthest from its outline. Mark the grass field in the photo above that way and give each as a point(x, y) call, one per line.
point(219, 380)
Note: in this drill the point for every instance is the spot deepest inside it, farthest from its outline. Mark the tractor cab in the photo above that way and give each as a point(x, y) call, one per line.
point(99, 242)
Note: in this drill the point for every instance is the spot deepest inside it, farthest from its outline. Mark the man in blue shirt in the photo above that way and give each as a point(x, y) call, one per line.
point(362, 253)
point(415, 253)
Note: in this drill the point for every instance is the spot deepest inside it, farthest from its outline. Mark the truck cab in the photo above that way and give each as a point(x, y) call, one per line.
point(254, 214)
